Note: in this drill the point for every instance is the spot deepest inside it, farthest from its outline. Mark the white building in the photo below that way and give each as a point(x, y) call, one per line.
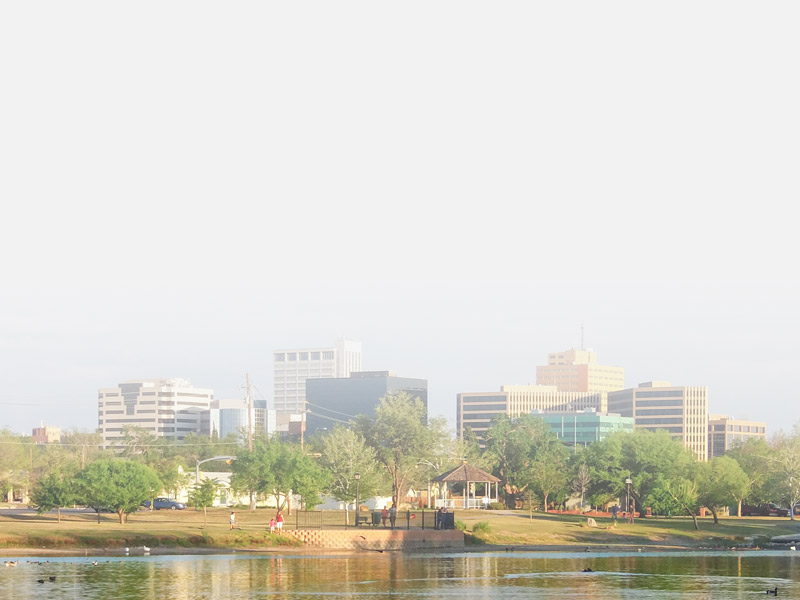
point(681, 411)
point(169, 408)
point(294, 367)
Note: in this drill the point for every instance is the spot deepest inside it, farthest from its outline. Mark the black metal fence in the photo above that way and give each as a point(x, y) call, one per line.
point(338, 519)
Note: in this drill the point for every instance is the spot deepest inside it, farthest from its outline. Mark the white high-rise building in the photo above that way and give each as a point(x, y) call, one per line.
point(681, 411)
point(294, 367)
point(169, 408)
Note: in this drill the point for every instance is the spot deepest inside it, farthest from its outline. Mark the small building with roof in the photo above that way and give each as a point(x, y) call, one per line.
point(478, 487)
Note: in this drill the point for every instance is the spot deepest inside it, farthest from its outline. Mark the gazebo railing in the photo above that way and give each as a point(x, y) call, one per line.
point(458, 503)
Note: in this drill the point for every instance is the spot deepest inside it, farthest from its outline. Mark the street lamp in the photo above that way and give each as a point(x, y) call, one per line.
point(227, 459)
point(628, 483)
point(357, 477)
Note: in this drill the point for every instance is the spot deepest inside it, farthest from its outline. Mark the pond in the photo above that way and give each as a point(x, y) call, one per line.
point(507, 575)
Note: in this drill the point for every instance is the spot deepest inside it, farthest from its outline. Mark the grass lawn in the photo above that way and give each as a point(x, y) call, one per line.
point(168, 529)
point(160, 528)
point(515, 528)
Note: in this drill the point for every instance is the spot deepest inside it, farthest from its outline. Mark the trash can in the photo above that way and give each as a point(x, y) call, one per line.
point(449, 520)
point(376, 518)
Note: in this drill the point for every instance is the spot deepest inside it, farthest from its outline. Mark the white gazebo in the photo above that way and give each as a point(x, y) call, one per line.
point(469, 476)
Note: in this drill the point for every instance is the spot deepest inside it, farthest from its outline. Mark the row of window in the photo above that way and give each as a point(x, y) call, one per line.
point(294, 356)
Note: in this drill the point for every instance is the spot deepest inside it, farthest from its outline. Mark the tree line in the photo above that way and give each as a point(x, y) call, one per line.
point(396, 449)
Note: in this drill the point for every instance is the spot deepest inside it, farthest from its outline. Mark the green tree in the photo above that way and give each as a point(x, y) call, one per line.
point(203, 494)
point(684, 491)
point(755, 458)
point(787, 460)
point(652, 456)
point(722, 482)
point(344, 452)
point(138, 442)
point(52, 492)
point(278, 469)
point(16, 463)
point(526, 453)
point(116, 484)
point(401, 439)
point(509, 454)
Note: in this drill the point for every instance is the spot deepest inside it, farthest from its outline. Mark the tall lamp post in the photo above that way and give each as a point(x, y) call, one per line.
point(357, 477)
point(628, 483)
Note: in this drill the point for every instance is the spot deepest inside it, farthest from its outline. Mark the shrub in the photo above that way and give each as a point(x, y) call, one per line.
point(461, 526)
point(481, 527)
point(497, 506)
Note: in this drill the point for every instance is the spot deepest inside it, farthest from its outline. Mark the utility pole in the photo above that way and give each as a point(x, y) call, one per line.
point(249, 415)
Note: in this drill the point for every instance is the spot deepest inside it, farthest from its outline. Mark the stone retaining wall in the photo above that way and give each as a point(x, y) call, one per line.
point(364, 539)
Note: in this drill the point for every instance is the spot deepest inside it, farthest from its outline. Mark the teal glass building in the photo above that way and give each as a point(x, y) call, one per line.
point(585, 427)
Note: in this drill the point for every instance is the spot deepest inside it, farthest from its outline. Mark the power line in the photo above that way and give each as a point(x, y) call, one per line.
point(330, 410)
point(327, 417)
point(100, 443)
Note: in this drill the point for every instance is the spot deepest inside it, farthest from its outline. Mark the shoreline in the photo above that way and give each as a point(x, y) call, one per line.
point(479, 548)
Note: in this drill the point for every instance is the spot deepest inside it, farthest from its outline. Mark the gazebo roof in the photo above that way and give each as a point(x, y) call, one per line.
point(466, 473)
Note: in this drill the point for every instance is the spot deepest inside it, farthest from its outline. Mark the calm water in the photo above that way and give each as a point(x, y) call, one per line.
point(505, 576)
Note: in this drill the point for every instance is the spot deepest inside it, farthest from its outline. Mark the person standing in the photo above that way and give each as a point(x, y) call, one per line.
point(384, 515)
point(233, 519)
point(393, 515)
point(614, 511)
point(272, 525)
point(279, 521)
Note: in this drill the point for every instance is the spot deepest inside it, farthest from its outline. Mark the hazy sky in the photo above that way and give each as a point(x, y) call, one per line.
point(187, 186)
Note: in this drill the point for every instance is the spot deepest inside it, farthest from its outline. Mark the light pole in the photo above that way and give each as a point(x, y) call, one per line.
point(227, 459)
point(628, 483)
point(357, 477)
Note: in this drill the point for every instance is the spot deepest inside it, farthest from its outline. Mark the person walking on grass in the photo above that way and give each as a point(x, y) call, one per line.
point(272, 525)
point(233, 519)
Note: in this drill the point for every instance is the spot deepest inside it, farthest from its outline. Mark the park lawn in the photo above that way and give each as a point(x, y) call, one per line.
point(518, 529)
point(155, 529)
point(167, 529)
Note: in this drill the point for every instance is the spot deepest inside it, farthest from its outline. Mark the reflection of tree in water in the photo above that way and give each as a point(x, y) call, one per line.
point(657, 576)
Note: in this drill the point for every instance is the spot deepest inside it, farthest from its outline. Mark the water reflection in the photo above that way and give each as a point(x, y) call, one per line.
point(703, 576)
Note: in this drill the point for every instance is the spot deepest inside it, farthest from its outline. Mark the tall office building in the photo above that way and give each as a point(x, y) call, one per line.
point(578, 371)
point(294, 367)
point(169, 408)
point(230, 416)
point(725, 433)
point(339, 400)
point(476, 409)
point(658, 406)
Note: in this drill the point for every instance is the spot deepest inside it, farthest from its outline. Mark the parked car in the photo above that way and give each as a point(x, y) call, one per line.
point(768, 509)
point(159, 503)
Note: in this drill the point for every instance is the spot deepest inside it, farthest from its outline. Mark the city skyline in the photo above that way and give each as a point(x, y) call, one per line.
point(435, 411)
